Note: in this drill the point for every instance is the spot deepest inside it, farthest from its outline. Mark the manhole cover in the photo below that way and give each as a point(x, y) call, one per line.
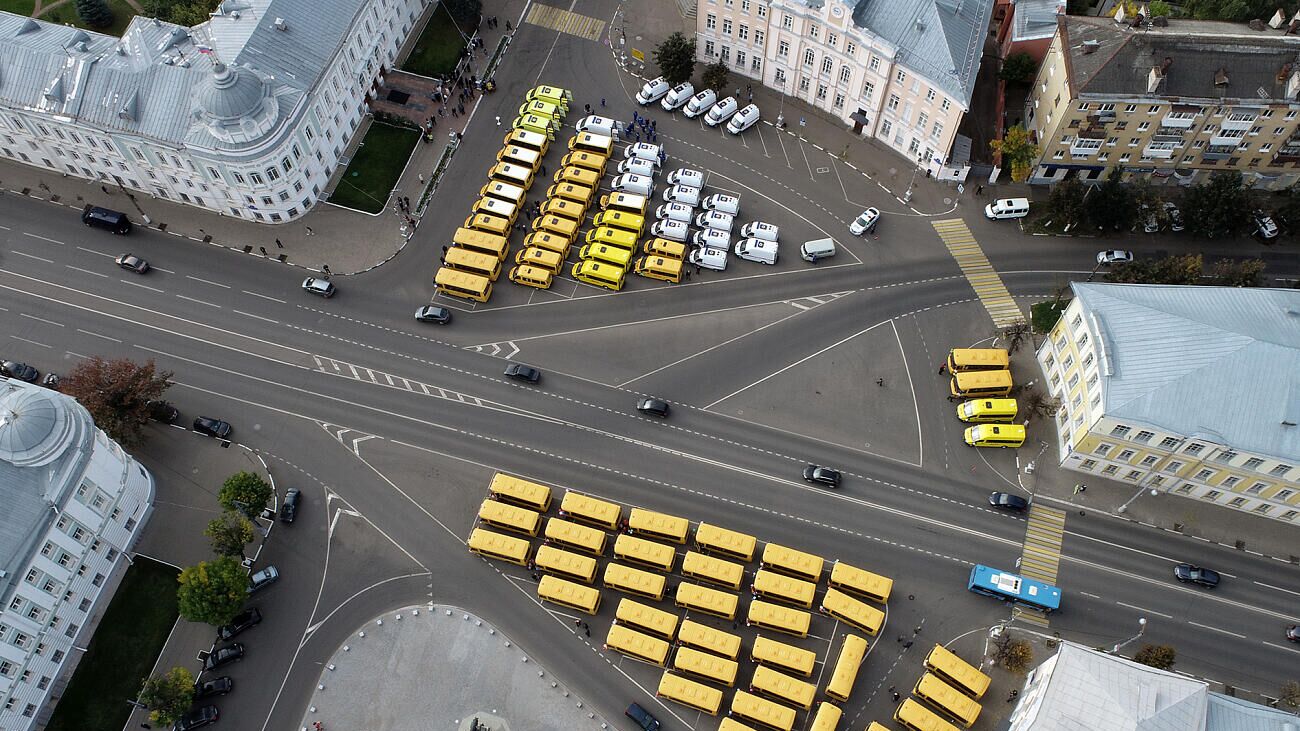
point(946, 201)
point(823, 170)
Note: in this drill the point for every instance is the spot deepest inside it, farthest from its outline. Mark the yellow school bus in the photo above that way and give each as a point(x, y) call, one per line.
point(568, 594)
point(794, 563)
point(509, 517)
point(647, 618)
point(845, 608)
point(827, 718)
point(731, 724)
point(689, 693)
point(780, 655)
point(729, 543)
point(704, 666)
point(995, 435)
point(852, 652)
point(961, 360)
point(590, 510)
point(474, 262)
point(566, 564)
point(495, 545)
point(874, 726)
point(637, 645)
point(646, 553)
point(864, 583)
point(782, 687)
point(957, 672)
point(521, 492)
point(482, 242)
point(706, 600)
point(988, 410)
point(572, 535)
point(947, 699)
point(980, 384)
point(703, 637)
point(634, 581)
point(771, 585)
point(917, 717)
point(658, 525)
point(762, 711)
point(713, 570)
point(779, 618)
point(462, 284)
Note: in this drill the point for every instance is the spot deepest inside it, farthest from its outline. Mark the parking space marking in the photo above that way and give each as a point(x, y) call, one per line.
point(966, 251)
point(564, 21)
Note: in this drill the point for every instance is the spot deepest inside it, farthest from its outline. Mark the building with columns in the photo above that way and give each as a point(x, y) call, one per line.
point(898, 71)
point(247, 114)
point(75, 505)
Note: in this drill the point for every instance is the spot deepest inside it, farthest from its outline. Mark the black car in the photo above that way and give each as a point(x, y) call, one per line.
point(521, 372)
point(657, 407)
point(132, 263)
point(1007, 501)
point(822, 475)
point(162, 411)
point(245, 620)
point(1293, 633)
point(212, 427)
point(1199, 575)
point(21, 371)
point(107, 219)
point(429, 313)
point(216, 686)
point(642, 717)
point(289, 509)
point(197, 718)
point(224, 656)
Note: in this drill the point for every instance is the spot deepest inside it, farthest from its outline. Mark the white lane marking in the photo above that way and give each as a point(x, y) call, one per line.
point(96, 252)
point(199, 301)
point(256, 317)
point(86, 271)
point(41, 319)
point(32, 256)
point(31, 342)
point(207, 281)
point(1284, 647)
point(98, 335)
point(1276, 588)
point(1144, 609)
point(141, 286)
point(916, 403)
point(42, 238)
point(263, 296)
point(1216, 629)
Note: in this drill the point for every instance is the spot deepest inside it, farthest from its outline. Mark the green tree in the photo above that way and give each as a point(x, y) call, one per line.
point(168, 696)
point(1160, 657)
point(1160, 9)
point(1012, 654)
point(1018, 153)
point(676, 58)
point(245, 492)
point(1289, 697)
point(212, 591)
point(229, 534)
point(95, 13)
point(1065, 205)
point(1288, 208)
point(1018, 68)
point(1217, 208)
point(1184, 269)
point(1229, 273)
point(116, 392)
point(1110, 206)
point(715, 77)
point(192, 13)
point(1233, 10)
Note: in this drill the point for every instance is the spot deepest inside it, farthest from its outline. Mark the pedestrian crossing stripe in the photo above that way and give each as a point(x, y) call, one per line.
point(965, 250)
point(1041, 556)
point(565, 21)
point(1031, 616)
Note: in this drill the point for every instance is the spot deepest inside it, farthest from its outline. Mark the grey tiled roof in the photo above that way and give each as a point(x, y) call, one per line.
point(941, 39)
point(1221, 362)
point(1035, 19)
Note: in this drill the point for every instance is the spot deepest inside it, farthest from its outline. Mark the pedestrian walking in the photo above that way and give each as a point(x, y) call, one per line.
point(263, 248)
point(453, 112)
point(750, 88)
point(324, 267)
point(1012, 695)
point(543, 170)
point(880, 382)
point(907, 644)
point(979, 189)
point(602, 102)
point(916, 631)
point(654, 125)
point(577, 623)
point(104, 188)
point(587, 107)
point(1080, 488)
point(278, 245)
point(896, 695)
point(943, 368)
point(407, 200)
point(536, 577)
point(461, 107)
point(586, 629)
point(737, 92)
point(508, 26)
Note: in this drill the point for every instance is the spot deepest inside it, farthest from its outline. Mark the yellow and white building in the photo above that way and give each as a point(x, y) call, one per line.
point(1186, 390)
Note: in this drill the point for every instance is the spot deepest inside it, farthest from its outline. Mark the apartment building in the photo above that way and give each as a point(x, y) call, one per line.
point(898, 71)
point(75, 504)
point(1174, 100)
point(246, 114)
point(1186, 390)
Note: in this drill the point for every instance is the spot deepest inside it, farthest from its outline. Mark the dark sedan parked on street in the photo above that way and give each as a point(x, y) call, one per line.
point(212, 427)
point(20, 371)
point(1007, 501)
point(1187, 573)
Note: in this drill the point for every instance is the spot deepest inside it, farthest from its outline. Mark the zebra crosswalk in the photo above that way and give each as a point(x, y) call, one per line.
point(979, 272)
point(1040, 558)
point(564, 21)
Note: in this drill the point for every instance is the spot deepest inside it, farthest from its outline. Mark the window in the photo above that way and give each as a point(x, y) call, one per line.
point(839, 100)
point(743, 32)
point(762, 11)
point(239, 178)
point(893, 103)
point(1088, 464)
point(726, 27)
point(744, 6)
point(1253, 463)
point(885, 127)
point(1102, 450)
point(850, 48)
point(1283, 495)
point(922, 120)
point(1237, 502)
point(868, 90)
point(1204, 474)
point(845, 74)
point(1195, 449)
point(874, 64)
point(809, 58)
point(1109, 469)
point(780, 77)
point(708, 48)
point(1173, 467)
point(821, 92)
point(758, 38)
point(256, 178)
point(1120, 431)
point(787, 21)
point(937, 130)
point(1143, 436)
point(1169, 442)
point(827, 66)
point(1263, 508)
point(1149, 460)
point(1254, 489)
point(814, 31)
point(804, 83)
point(782, 49)
point(1133, 474)
point(900, 77)
point(832, 40)
point(740, 59)
point(1280, 470)
point(710, 22)
point(1230, 482)
point(1126, 455)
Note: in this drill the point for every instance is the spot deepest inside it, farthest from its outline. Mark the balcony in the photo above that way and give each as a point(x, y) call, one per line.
point(1159, 150)
point(1085, 147)
point(1178, 121)
point(1219, 152)
point(1221, 139)
point(1241, 122)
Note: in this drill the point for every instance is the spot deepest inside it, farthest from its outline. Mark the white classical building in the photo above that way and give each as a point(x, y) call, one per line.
point(74, 505)
point(900, 71)
point(246, 114)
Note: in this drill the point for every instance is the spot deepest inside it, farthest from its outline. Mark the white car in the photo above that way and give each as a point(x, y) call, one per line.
point(715, 259)
point(712, 238)
point(636, 166)
point(759, 250)
point(760, 230)
point(598, 125)
point(722, 202)
point(1265, 226)
point(671, 230)
point(686, 176)
point(644, 151)
point(653, 91)
point(864, 223)
point(744, 119)
point(674, 212)
point(700, 103)
point(721, 111)
point(1114, 256)
point(680, 94)
point(716, 220)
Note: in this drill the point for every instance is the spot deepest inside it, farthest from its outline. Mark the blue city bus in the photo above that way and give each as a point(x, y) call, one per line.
point(1011, 587)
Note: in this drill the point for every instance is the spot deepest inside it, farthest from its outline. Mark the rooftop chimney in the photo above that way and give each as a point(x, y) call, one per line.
point(1221, 77)
point(1091, 45)
point(1278, 19)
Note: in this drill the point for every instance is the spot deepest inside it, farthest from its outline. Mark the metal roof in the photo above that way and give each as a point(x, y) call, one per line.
point(1035, 19)
point(1219, 362)
point(943, 40)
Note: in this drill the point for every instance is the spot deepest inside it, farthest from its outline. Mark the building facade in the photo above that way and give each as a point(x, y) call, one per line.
point(1189, 391)
point(1174, 101)
point(902, 73)
point(75, 504)
point(247, 114)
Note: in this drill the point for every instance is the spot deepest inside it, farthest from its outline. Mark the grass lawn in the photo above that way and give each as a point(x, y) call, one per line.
point(67, 13)
point(122, 652)
point(1045, 314)
point(438, 48)
point(18, 7)
point(375, 168)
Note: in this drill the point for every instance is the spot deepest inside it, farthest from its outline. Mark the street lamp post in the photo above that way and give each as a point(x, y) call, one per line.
point(1142, 627)
point(780, 114)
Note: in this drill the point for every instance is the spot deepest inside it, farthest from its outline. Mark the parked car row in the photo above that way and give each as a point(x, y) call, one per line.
point(692, 104)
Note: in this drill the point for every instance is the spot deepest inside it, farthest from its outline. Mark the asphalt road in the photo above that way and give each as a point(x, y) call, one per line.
point(393, 428)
